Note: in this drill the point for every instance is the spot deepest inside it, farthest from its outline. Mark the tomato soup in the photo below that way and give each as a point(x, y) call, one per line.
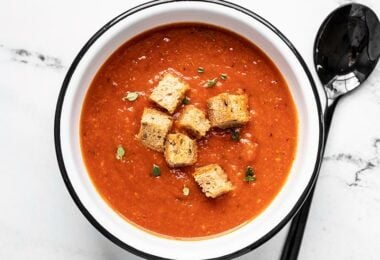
point(196, 53)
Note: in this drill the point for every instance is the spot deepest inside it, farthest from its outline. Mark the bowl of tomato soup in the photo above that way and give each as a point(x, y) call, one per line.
point(188, 130)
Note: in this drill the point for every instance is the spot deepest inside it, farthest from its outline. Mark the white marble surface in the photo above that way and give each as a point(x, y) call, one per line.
point(38, 219)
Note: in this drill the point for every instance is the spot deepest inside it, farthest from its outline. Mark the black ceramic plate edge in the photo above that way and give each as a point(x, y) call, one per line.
point(82, 52)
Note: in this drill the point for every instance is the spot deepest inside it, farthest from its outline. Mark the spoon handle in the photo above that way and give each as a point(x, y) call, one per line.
point(294, 238)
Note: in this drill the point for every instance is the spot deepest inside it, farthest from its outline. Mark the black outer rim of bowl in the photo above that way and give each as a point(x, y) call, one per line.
point(65, 84)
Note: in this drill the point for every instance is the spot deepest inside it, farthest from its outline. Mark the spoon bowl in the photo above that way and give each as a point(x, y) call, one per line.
point(347, 48)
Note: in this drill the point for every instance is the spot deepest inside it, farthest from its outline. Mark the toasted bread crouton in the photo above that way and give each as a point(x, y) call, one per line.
point(213, 180)
point(155, 125)
point(194, 121)
point(228, 110)
point(180, 150)
point(169, 92)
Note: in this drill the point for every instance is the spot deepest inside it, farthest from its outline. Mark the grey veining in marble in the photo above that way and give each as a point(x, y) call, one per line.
point(363, 165)
point(31, 57)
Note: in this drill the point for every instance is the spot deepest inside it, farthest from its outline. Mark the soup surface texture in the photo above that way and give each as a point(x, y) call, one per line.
point(196, 53)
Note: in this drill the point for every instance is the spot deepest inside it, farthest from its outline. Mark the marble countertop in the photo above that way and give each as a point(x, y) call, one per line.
point(38, 219)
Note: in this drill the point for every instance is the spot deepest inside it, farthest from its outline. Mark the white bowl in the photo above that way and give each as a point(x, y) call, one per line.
point(232, 17)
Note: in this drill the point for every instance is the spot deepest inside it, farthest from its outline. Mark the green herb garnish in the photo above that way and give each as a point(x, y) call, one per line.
point(201, 70)
point(156, 171)
point(235, 135)
point(186, 191)
point(186, 101)
point(131, 96)
point(212, 82)
point(250, 175)
point(120, 152)
point(223, 76)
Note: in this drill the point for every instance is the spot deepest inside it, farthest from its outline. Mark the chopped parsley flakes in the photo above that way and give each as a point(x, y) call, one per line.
point(250, 175)
point(186, 191)
point(156, 171)
point(186, 100)
point(211, 82)
point(235, 135)
point(131, 96)
point(120, 152)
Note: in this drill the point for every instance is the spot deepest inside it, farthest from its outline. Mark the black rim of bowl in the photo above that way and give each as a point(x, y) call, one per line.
point(65, 84)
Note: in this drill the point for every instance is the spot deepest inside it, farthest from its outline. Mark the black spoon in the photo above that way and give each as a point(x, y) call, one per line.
point(346, 50)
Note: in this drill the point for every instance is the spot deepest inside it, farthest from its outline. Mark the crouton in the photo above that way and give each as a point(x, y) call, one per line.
point(180, 150)
point(155, 125)
point(213, 180)
point(194, 121)
point(228, 110)
point(169, 92)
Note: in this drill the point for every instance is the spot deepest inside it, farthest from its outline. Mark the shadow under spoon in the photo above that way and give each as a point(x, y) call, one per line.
point(346, 51)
